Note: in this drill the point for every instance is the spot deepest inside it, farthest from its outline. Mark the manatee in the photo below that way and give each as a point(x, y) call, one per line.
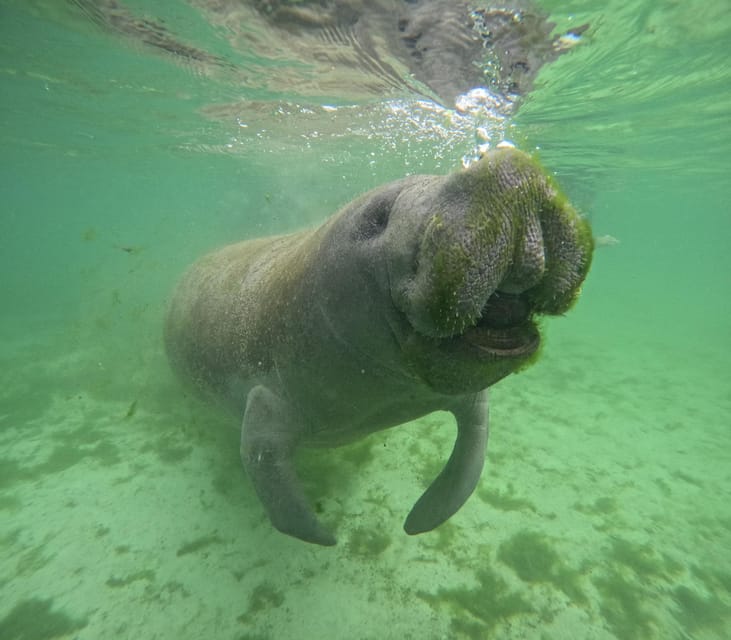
point(415, 297)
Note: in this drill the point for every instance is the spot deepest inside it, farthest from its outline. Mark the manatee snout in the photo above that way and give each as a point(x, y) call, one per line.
point(500, 243)
point(504, 310)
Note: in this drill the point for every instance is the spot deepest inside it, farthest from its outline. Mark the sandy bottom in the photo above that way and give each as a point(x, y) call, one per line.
point(603, 511)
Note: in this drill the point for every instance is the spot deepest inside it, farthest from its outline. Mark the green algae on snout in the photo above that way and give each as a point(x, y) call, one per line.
point(524, 185)
point(503, 192)
point(451, 263)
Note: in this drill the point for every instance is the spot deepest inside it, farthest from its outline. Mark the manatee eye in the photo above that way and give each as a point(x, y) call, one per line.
point(374, 220)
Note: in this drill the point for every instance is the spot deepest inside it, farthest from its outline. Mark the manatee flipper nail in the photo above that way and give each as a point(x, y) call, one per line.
point(458, 479)
point(268, 442)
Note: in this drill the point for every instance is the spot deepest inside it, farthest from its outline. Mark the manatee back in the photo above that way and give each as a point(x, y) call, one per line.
point(221, 320)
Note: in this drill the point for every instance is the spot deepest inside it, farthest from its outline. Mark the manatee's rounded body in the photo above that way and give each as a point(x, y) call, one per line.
point(415, 297)
point(227, 333)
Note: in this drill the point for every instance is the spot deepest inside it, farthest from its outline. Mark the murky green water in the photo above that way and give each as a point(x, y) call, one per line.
point(603, 509)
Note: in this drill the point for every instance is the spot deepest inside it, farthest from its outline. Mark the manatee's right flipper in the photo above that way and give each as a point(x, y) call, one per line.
point(458, 479)
point(269, 435)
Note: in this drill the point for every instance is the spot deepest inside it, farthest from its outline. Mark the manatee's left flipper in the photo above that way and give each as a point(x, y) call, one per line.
point(458, 479)
point(269, 436)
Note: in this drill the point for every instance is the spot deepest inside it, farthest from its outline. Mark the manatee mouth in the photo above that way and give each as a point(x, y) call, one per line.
point(505, 328)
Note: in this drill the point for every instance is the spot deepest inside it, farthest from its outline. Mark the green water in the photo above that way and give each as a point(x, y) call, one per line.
point(603, 511)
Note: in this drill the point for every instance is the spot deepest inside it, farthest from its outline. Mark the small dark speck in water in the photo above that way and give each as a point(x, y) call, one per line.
point(132, 410)
point(131, 250)
point(198, 544)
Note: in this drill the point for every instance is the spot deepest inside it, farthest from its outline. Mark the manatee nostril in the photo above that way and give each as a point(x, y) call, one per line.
point(504, 310)
point(373, 221)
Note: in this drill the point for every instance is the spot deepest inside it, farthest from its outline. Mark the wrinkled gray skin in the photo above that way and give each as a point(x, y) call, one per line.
point(413, 298)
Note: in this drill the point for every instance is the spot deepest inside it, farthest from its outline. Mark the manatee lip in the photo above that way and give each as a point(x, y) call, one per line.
point(505, 343)
point(505, 328)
